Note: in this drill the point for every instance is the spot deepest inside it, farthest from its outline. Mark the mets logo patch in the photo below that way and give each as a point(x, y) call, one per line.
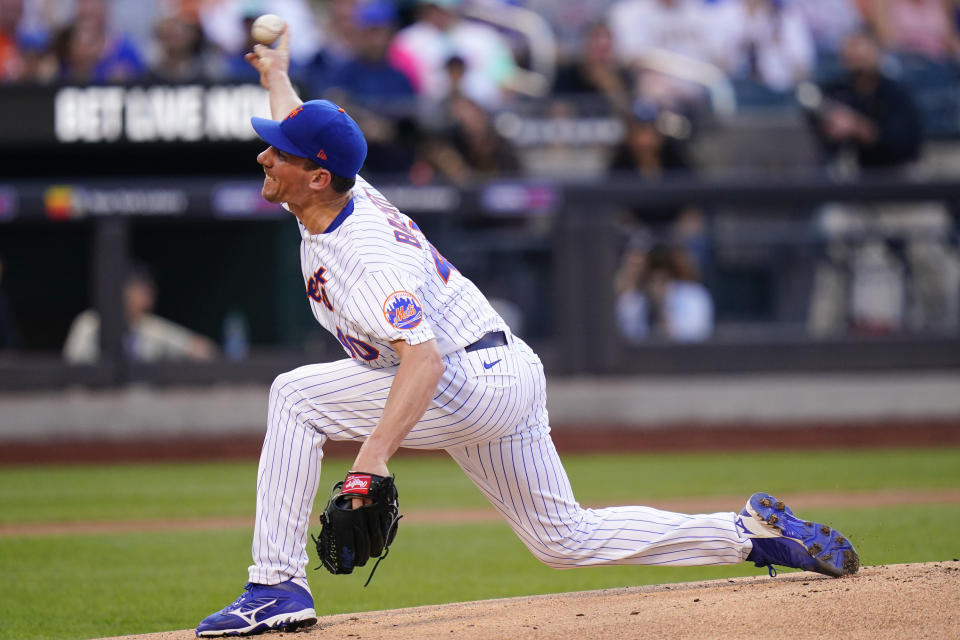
point(402, 310)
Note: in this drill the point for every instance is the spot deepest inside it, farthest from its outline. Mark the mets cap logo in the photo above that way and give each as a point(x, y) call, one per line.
point(403, 310)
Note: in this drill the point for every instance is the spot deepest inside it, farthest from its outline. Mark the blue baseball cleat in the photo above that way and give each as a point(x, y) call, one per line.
point(279, 607)
point(780, 538)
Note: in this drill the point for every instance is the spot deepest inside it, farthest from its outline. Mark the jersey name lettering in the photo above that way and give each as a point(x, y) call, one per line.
point(401, 233)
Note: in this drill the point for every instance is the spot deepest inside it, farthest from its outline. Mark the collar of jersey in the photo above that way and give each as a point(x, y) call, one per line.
point(346, 211)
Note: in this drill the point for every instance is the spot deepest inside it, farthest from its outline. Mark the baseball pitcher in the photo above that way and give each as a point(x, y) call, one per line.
point(429, 365)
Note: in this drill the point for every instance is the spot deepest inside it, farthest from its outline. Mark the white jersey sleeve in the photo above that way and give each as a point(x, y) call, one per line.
point(372, 278)
point(386, 305)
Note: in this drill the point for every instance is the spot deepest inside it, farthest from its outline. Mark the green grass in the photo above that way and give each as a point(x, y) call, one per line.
point(88, 586)
point(123, 584)
point(58, 494)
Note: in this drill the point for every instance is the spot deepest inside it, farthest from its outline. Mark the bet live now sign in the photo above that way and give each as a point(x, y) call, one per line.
point(186, 113)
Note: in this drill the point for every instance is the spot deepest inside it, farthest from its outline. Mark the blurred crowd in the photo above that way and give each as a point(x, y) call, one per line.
point(427, 79)
point(430, 72)
point(380, 51)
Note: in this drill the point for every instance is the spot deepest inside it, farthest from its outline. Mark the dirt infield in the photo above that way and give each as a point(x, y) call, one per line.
point(897, 601)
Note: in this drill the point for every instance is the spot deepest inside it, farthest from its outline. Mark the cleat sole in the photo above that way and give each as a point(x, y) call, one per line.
point(299, 624)
point(818, 547)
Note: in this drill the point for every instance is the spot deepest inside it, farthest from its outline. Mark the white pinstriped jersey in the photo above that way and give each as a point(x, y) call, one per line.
point(373, 277)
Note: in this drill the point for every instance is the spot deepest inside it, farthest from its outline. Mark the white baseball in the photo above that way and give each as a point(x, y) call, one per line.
point(266, 28)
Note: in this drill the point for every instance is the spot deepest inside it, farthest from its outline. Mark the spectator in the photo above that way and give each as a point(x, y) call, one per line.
point(90, 51)
point(658, 294)
point(830, 22)
point(11, 66)
point(369, 79)
point(472, 149)
point(39, 63)
point(921, 27)
point(675, 25)
point(341, 33)
point(597, 74)
point(339, 43)
point(149, 338)
point(570, 22)
point(645, 151)
point(25, 54)
point(776, 48)
point(691, 29)
point(886, 267)
point(699, 35)
point(436, 116)
point(439, 33)
point(866, 113)
point(181, 53)
point(456, 69)
point(378, 95)
point(136, 20)
point(648, 154)
point(8, 330)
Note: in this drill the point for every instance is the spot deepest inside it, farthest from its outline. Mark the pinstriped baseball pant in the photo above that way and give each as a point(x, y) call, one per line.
point(493, 423)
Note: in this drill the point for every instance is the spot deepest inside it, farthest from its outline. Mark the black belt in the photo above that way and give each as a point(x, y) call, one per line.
point(488, 341)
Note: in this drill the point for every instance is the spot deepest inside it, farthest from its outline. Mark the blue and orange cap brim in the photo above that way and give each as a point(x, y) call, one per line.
point(269, 131)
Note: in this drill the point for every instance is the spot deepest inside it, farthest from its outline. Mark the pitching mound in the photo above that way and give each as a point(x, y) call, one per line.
point(898, 601)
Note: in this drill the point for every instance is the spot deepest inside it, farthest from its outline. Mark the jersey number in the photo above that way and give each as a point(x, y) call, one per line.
point(444, 267)
point(357, 348)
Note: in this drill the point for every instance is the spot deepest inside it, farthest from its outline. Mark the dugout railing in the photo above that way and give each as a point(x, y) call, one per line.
point(569, 232)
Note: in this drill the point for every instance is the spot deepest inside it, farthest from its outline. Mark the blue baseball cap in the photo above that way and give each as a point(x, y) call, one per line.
point(321, 131)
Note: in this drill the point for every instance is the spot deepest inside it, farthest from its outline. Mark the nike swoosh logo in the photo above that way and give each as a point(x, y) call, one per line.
point(488, 365)
point(250, 617)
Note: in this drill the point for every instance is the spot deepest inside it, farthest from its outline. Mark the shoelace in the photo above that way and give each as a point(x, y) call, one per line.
point(769, 567)
point(246, 588)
